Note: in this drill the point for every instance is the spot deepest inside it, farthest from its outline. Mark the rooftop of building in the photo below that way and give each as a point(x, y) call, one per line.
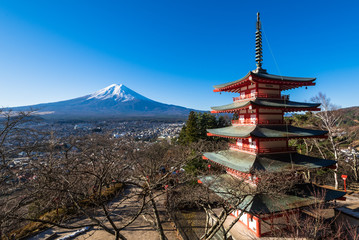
point(301, 195)
point(264, 77)
point(246, 162)
point(266, 131)
point(286, 105)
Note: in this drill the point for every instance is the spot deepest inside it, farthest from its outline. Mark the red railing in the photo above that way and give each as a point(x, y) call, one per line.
point(262, 150)
point(245, 121)
point(242, 148)
point(255, 121)
point(260, 95)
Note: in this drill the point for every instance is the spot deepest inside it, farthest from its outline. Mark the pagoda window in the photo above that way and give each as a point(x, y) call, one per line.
point(253, 118)
point(241, 118)
point(253, 93)
point(252, 144)
point(241, 95)
point(239, 142)
point(245, 142)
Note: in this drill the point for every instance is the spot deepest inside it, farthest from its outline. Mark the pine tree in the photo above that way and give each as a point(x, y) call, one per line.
point(221, 122)
point(197, 125)
point(192, 131)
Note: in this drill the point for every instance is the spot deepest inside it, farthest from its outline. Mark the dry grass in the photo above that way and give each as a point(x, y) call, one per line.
point(33, 228)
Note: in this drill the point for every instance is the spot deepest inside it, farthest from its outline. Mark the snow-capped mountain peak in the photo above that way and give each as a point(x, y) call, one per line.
point(114, 101)
point(119, 93)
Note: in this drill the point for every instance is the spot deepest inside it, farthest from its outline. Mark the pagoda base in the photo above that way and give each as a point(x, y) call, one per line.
point(263, 214)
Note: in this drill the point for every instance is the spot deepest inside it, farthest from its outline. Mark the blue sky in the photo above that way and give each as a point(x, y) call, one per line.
point(173, 51)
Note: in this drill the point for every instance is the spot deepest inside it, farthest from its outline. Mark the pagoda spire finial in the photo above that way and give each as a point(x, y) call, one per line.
point(259, 55)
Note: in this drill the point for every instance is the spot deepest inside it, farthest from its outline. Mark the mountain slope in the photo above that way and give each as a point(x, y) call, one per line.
point(350, 116)
point(114, 101)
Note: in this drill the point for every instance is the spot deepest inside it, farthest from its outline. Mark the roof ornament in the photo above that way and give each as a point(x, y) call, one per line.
point(259, 55)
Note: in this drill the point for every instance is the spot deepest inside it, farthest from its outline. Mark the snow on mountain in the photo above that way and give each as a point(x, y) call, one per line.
point(120, 93)
point(114, 101)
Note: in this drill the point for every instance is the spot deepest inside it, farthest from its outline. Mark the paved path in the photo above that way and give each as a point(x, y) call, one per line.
point(138, 230)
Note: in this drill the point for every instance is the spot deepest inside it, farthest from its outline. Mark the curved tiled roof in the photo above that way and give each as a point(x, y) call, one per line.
point(266, 131)
point(272, 103)
point(301, 195)
point(245, 162)
point(266, 76)
point(283, 78)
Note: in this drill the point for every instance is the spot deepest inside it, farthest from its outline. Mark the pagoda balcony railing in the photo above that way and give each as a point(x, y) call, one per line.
point(262, 150)
point(260, 95)
point(245, 121)
point(255, 121)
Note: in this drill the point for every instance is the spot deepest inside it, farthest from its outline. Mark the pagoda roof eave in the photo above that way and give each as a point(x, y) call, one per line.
point(235, 160)
point(219, 87)
point(283, 78)
point(245, 162)
point(302, 195)
point(267, 103)
point(266, 131)
point(284, 110)
point(292, 82)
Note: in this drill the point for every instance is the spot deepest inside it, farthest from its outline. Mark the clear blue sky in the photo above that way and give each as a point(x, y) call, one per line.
point(173, 51)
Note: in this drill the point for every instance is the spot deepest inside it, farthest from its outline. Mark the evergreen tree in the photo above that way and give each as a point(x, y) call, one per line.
point(192, 131)
point(197, 125)
point(221, 122)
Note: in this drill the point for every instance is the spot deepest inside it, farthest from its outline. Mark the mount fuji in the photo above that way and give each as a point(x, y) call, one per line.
point(114, 101)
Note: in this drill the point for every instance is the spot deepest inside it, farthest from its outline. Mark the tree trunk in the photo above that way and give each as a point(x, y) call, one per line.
point(336, 159)
point(355, 167)
point(336, 176)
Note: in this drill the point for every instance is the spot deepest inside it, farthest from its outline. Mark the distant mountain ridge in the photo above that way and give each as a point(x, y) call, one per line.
point(114, 101)
point(350, 116)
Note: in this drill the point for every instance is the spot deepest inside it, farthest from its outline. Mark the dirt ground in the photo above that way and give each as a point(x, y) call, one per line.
point(140, 229)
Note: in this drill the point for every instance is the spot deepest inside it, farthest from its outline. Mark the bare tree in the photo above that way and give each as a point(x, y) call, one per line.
point(12, 126)
point(330, 120)
point(81, 177)
point(222, 194)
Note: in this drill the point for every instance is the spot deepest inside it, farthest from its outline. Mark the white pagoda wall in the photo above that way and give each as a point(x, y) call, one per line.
point(243, 218)
point(247, 220)
point(252, 224)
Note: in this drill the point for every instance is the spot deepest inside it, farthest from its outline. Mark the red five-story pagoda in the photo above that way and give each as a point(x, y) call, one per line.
point(261, 141)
